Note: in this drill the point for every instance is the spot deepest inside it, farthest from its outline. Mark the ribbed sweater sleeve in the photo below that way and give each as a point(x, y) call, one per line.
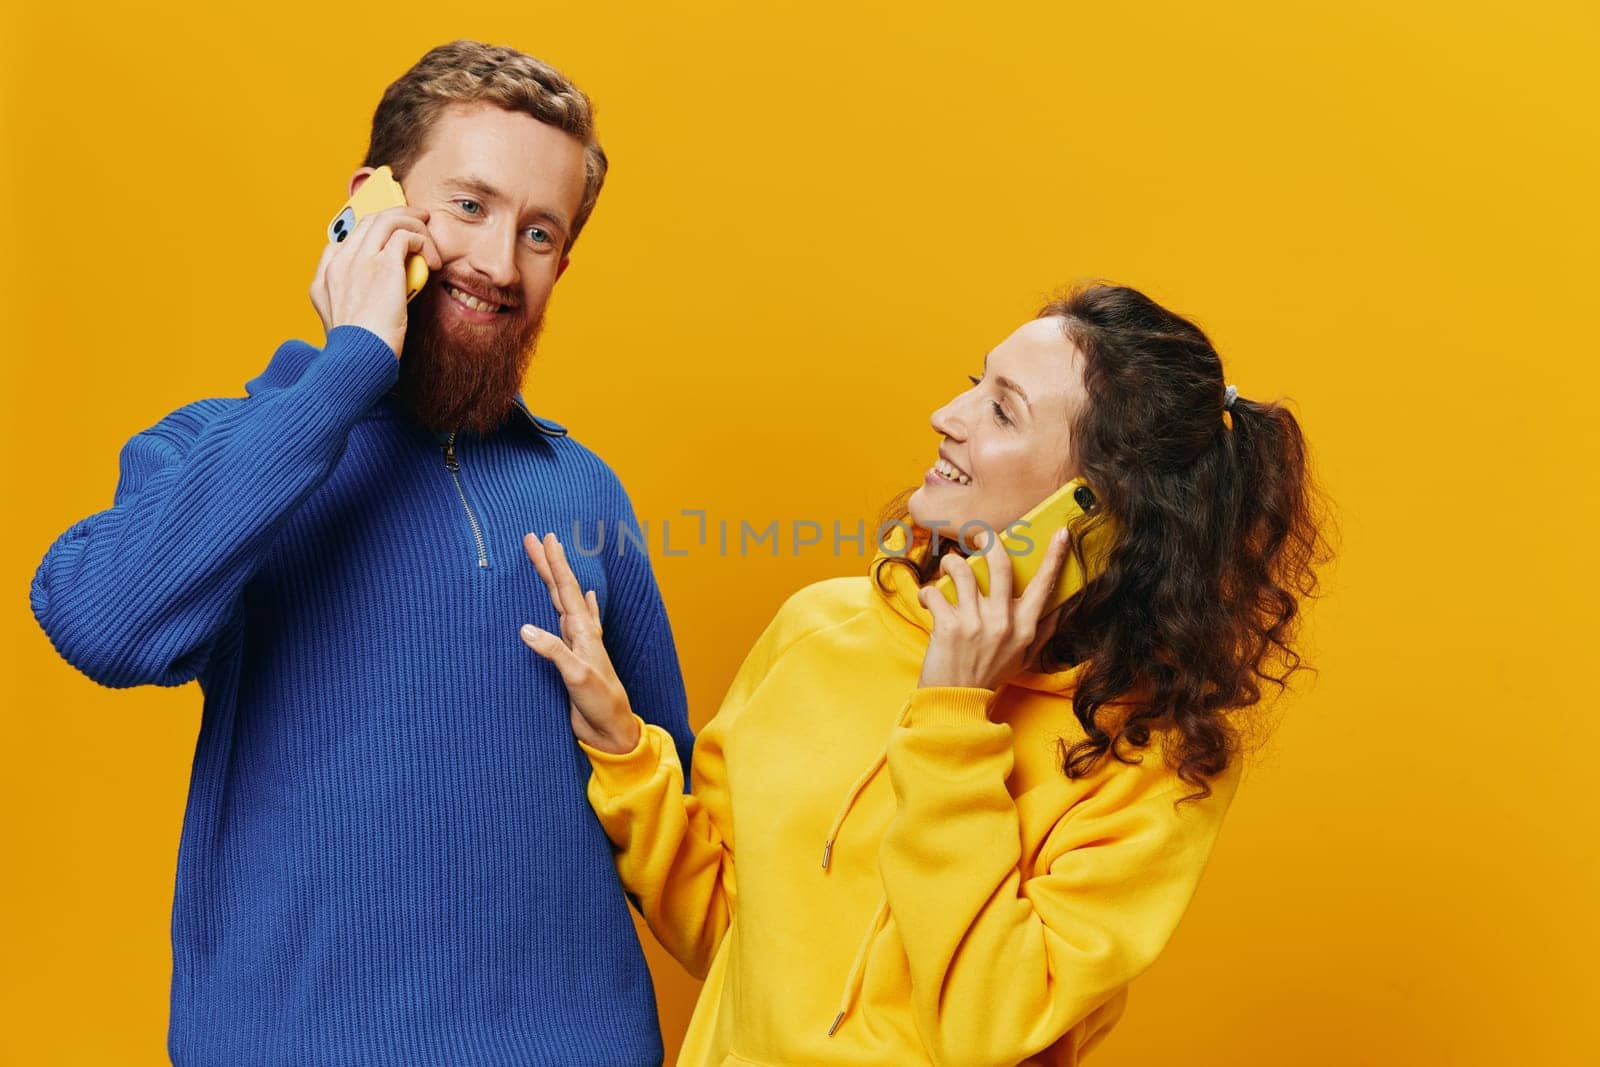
point(638, 636)
point(136, 594)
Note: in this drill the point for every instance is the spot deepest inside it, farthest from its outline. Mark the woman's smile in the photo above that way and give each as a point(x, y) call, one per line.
point(944, 472)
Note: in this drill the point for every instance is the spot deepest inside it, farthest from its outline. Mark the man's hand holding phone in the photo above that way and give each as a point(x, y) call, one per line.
point(362, 280)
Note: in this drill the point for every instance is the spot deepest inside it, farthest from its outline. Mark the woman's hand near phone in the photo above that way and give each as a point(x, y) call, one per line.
point(361, 281)
point(982, 640)
point(601, 715)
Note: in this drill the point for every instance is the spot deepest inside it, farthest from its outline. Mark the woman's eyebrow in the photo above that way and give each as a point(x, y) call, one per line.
point(1006, 383)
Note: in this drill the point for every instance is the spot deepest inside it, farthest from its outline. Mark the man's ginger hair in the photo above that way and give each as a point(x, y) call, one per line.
point(470, 72)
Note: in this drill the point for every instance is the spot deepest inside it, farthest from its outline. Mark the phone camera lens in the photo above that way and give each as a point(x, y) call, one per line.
point(339, 229)
point(1083, 497)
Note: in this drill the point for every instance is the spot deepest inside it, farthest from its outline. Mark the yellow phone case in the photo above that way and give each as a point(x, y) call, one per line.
point(1060, 508)
point(378, 192)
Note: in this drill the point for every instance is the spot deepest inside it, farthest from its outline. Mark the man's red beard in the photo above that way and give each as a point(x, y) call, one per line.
point(462, 375)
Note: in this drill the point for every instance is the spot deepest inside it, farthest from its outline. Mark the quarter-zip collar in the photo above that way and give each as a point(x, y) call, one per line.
point(548, 427)
point(293, 357)
point(542, 426)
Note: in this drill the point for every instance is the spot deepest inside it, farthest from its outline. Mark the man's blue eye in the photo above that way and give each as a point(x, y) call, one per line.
point(472, 207)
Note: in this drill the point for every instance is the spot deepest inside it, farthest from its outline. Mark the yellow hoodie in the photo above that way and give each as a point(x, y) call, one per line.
point(971, 906)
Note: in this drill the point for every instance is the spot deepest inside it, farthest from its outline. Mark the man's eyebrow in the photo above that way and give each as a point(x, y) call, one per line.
point(483, 189)
point(1007, 383)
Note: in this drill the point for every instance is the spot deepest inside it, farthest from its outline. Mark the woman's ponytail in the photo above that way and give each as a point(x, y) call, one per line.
point(1278, 542)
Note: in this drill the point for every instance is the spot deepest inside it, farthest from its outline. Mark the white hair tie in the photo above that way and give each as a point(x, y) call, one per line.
point(1229, 395)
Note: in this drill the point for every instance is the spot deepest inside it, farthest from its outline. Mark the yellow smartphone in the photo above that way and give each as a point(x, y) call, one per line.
point(1026, 540)
point(378, 192)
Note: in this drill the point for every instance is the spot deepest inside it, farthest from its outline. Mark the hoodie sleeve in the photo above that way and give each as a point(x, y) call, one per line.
point(1003, 964)
point(675, 848)
point(136, 594)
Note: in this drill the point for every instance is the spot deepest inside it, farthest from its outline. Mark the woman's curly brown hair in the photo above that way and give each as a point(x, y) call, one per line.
point(1217, 541)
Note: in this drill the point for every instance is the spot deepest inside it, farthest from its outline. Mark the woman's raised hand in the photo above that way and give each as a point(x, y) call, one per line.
point(601, 715)
point(983, 640)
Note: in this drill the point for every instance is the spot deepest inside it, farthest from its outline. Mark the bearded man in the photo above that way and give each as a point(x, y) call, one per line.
point(387, 856)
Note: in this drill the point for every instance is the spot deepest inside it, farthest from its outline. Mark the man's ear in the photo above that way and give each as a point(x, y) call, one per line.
point(358, 178)
point(561, 268)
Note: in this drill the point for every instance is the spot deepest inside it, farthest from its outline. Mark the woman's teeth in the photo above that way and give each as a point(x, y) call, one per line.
point(945, 470)
point(469, 300)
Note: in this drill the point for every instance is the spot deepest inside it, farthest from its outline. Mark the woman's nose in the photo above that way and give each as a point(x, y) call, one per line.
point(946, 421)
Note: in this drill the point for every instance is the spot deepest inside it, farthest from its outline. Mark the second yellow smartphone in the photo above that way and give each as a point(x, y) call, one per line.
point(379, 192)
point(1026, 540)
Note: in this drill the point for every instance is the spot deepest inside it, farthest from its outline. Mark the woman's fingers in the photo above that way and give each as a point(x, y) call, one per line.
point(579, 610)
point(599, 703)
point(535, 551)
point(541, 563)
point(1031, 603)
point(573, 670)
point(941, 609)
point(1000, 577)
point(566, 581)
point(960, 571)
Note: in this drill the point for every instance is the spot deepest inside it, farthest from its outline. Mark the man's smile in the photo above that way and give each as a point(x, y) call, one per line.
point(472, 301)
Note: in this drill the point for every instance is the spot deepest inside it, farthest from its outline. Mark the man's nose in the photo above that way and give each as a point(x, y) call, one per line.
point(494, 255)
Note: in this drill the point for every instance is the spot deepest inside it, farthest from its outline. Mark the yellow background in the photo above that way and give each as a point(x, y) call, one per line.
point(820, 216)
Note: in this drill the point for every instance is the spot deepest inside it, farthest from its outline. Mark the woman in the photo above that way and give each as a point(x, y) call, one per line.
point(932, 833)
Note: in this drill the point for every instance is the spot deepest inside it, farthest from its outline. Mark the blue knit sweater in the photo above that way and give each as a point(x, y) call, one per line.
point(387, 856)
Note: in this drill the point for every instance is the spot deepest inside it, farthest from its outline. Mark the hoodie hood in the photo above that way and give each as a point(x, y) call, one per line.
point(897, 588)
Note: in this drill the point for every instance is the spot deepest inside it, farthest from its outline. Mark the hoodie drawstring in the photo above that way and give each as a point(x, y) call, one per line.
point(860, 783)
point(852, 985)
point(849, 802)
